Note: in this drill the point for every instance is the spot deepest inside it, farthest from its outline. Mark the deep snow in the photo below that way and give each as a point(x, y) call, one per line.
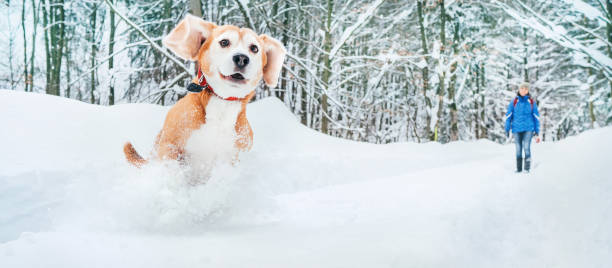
point(298, 199)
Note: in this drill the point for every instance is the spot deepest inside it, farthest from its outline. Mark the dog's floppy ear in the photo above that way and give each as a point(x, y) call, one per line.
point(275, 55)
point(185, 40)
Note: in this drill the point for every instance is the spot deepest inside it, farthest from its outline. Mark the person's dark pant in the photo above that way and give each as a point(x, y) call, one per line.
point(522, 140)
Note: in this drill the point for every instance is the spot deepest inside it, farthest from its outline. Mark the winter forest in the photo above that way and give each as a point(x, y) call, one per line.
point(375, 71)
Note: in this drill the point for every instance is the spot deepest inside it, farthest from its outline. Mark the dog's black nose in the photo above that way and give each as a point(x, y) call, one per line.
point(241, 60)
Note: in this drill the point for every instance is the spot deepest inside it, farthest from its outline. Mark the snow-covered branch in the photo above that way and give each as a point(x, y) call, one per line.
point(362, 20)
point(146, 37)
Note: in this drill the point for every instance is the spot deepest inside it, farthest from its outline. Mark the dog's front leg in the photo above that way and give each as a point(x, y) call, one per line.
point(244, 133)
point(244, 141)
point(244, 138)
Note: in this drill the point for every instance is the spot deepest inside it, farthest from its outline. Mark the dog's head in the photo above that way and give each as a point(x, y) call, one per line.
point(232, 59)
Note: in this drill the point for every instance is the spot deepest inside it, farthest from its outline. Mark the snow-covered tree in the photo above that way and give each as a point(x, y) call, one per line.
point(377, 71)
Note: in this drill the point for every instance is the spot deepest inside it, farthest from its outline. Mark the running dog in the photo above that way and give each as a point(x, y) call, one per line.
point(212, 119)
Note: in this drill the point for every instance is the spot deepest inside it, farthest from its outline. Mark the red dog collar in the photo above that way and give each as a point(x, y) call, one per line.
point(203, 85)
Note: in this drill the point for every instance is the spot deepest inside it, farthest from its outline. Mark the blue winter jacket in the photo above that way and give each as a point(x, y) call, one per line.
point(522, 117)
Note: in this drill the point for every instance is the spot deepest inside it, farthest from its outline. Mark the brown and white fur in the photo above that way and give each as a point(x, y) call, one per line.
point(201, 126)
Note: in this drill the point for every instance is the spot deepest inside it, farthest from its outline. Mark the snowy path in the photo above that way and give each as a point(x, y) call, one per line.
point(298, 199)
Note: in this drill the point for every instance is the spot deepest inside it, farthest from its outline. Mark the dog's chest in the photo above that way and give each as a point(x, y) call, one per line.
point(215, 139)
point(222, 114)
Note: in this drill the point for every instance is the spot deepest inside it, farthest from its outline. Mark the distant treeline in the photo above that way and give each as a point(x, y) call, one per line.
point(376, 71)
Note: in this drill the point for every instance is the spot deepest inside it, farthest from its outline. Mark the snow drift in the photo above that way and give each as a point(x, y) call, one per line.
point(298, 199)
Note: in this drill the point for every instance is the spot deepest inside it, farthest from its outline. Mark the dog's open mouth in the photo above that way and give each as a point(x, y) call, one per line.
point(236, 77)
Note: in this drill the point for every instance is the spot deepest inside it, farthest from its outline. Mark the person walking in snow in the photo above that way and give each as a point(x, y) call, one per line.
point(523, 119)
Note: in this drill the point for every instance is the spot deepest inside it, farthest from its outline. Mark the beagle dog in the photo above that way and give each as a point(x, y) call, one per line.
point(212, 121)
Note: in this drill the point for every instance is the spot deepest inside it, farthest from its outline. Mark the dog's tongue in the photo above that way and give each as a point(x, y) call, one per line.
point(237, 76)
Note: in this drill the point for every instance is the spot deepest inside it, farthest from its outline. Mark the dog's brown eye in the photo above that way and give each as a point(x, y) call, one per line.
point(224, 43)
point(254, 48)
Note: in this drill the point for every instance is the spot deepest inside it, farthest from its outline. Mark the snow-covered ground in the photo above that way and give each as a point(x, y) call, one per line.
point(298, 199)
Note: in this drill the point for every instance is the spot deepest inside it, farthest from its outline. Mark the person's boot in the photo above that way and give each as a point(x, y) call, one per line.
point(519, 164)
point(527, 164)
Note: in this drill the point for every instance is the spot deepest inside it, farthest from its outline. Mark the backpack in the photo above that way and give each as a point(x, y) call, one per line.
point(530, 101)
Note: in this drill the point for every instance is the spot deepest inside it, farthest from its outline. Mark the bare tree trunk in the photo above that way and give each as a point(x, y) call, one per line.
point(442, 77)
point(195, 8)
point(285, 40)
point(92, 40)
point(609, 33)
point(427, 133)
point(454, 129)
point(70, 32)
point(526, 71)
point(111, 45)
point(327, 70)
point(33, 46)
point(68, 85)
point(167, 11)
point(61, 44)
point(53, 22)
point(483, 125)
point(46, 18)
point(302, 72)
point(25, 47)
point(476, 106)
point(10, 54)
point(591, 112)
